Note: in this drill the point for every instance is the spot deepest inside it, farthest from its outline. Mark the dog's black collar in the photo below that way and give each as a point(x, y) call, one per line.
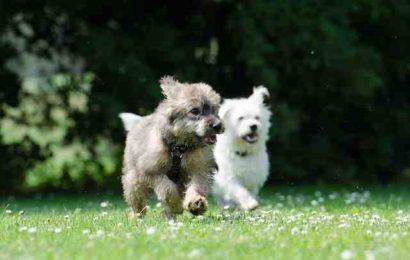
point(176, 152)
point(241, 154)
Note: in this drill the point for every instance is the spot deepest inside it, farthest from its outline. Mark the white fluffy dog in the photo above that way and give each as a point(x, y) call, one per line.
point(240, 152)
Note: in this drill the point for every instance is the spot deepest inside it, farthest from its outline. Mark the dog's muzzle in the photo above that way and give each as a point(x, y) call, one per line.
point(252, 136)
point(215, 127)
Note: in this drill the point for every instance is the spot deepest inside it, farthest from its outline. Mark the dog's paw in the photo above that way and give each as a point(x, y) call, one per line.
point(249, 205)
point(137, 214)
point(198, 205)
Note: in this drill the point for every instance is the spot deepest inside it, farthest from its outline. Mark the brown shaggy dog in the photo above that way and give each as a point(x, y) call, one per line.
point(170, 151)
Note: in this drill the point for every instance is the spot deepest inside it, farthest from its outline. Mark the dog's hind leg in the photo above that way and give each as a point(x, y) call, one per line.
point(167, 192)
point(135, 195)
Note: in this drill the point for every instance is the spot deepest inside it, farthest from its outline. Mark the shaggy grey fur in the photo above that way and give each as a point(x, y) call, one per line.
point(187, 117)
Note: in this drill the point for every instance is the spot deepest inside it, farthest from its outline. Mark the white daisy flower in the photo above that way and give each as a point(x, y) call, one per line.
point(194, 253)
point(104, 204)
point(347, 254)
point(150, 230)
point(369, 255)
point(100, 233)
point(22, 229)
point(218, 229)
point(32, 230)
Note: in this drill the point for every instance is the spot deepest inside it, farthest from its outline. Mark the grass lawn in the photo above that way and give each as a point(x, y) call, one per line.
point(293, 222)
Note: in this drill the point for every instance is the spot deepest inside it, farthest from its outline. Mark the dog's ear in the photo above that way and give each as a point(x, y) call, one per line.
point(225, 109)
point(170, 87)
point(259, 95)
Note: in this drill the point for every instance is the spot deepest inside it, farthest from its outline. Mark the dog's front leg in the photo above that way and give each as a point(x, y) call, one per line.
point(167, 193)
point(195, 196)
point(242, 196)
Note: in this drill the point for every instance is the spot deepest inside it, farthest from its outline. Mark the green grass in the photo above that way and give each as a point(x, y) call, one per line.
point(299, 222)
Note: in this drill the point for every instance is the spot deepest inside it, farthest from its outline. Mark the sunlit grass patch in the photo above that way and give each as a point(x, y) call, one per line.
point(299, 222)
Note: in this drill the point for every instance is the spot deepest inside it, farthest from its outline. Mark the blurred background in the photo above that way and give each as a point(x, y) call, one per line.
point(338, 72)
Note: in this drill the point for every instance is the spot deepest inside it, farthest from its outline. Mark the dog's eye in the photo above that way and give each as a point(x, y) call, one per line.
point(195, 111)
point(257, 117)
point(240, 118)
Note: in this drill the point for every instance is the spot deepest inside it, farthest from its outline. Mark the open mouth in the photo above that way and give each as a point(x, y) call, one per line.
point(250, 138)
point(210, 139)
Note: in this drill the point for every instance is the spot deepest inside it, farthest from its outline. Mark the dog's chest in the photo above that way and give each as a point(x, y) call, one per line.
point(251, 170)
point(193, 162)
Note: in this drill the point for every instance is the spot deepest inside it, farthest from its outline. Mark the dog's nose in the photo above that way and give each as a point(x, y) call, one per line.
point(254, 127)
point(217, 126)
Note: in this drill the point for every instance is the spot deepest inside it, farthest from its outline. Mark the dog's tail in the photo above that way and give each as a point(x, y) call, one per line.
point(129, 120)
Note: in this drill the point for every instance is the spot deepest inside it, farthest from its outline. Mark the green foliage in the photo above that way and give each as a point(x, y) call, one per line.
point(338, 73)
point(43, 125)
